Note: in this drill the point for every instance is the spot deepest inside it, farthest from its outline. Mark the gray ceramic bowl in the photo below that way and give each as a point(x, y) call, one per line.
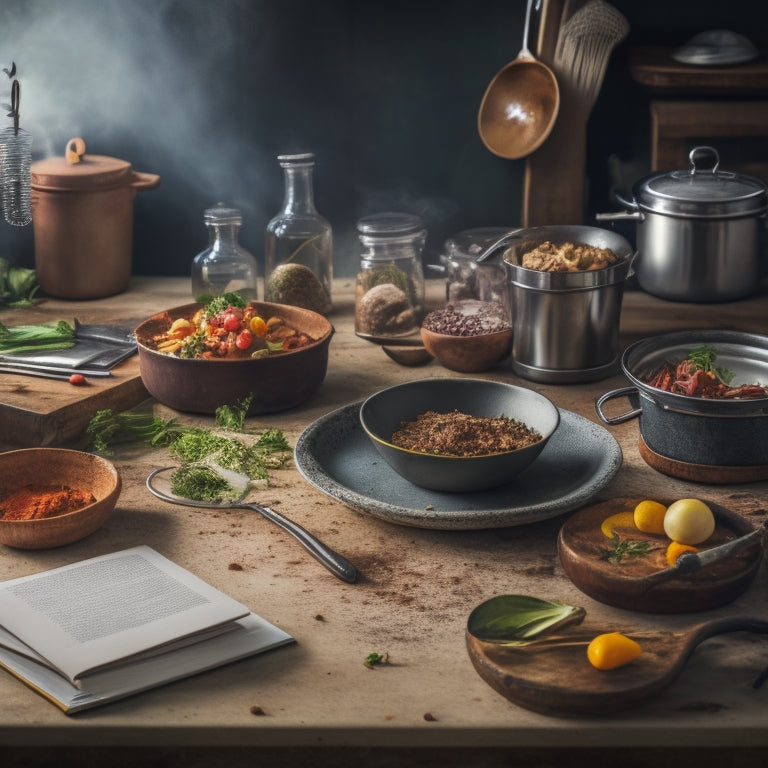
point(381, 415)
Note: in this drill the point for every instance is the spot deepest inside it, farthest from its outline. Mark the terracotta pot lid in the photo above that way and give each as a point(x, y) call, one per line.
point(76, 171)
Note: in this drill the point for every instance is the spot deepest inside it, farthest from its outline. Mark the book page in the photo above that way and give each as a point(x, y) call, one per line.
point(98, 611)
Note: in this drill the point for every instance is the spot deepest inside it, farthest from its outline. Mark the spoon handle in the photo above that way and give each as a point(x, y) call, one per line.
point(333, 561)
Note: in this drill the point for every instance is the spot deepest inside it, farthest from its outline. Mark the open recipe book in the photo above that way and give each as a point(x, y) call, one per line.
point(105, 628)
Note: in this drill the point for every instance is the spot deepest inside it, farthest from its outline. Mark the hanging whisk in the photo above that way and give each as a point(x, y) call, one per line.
point(584, 45)
point(15, 163)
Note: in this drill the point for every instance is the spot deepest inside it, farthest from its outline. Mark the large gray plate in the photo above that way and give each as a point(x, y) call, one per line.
point(336, 456)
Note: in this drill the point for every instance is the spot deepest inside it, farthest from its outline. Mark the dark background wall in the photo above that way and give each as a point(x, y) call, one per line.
point(206, 93)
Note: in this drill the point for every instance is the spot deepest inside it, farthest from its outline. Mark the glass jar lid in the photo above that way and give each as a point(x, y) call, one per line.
point(703, 191)
point(221, 214)
point(390, 225)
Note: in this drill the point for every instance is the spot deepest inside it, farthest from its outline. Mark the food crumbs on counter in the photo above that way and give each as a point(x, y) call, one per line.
point(429, 506)
point(235, 567)
point(319, 617)
point(374, 659)
point(430, 718)
point(255, 710)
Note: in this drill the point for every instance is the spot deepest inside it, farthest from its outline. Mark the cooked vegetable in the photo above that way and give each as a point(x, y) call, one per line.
point(624, 519)
point(33, 338)
point(612, 650)
point(675, 549)
point(703, 359)
point(519, 619)
point(689, 521)
point(649, 516)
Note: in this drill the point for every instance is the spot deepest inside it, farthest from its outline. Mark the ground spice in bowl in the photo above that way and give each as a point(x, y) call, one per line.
point(460, 434)
point(34, 502)
point(468, 318)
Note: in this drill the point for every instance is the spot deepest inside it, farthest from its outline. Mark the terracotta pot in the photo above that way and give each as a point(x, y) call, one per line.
point(82, 216)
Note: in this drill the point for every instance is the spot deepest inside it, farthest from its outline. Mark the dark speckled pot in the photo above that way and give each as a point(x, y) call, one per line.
point(724, 433)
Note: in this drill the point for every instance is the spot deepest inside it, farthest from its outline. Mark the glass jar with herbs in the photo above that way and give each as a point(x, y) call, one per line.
point(389, 292)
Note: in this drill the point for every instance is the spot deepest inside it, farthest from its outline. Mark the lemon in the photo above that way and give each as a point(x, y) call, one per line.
point(689, 521)
point(649, 516)
point(619, 520)
point(675, 549)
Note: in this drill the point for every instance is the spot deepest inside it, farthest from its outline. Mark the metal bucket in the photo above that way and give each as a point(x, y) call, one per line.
point(566, 324)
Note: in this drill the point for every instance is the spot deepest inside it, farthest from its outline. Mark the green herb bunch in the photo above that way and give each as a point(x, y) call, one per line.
point(703, 359)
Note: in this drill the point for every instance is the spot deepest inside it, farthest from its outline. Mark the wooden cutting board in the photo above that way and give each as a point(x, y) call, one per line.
point(559, 680)
point(47, 412)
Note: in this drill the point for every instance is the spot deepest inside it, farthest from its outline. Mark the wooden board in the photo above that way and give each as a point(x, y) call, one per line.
point(47, 412)
point(557, 679)
point(633, 583)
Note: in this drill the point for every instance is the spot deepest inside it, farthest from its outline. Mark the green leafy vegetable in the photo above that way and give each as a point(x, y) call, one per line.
point(376, 659)
point(204, 483)
point(18, 285)
point(109, 429)
point(28, 338)
point(520, 619)
point(703, 359)
point(233, 417)
point(221, 303)
point(625, 548)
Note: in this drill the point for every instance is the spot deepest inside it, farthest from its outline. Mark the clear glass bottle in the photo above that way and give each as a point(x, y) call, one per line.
point(224, 265)
point(298, 243)
point(389, 292)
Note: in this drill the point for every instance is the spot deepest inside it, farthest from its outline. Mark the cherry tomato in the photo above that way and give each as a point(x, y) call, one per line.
point(244, 340)
point(77, 379)
point(231, 322)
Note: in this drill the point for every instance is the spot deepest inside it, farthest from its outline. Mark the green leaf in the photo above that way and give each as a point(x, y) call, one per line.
point(519, 619)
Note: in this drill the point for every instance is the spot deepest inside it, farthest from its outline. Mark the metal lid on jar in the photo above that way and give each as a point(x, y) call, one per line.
point(390, 224)
point(703, 191)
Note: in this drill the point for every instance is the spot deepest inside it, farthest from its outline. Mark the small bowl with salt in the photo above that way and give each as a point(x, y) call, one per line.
point(468, 336)
point(459, 435)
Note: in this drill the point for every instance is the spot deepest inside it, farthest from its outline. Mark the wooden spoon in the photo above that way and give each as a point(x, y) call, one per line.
point(520, 105)
point(554, 677)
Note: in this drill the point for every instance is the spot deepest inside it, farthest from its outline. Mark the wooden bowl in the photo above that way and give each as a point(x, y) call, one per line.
point(468, 354)
point(382, 413)
point(277, 382)
point(57, 466)
point(631, 584)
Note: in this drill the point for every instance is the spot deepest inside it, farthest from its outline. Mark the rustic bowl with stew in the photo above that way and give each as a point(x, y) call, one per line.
point(53, 468)
point(276, 383)
point(383, 413)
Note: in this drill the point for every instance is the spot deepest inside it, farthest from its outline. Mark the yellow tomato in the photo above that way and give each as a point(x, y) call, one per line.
point(649, 516)
point(612, 650)
point(258, 327)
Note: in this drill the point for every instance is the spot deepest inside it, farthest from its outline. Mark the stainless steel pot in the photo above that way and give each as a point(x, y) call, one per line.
point(695, 430)
point(698, 231)
point(566, 324)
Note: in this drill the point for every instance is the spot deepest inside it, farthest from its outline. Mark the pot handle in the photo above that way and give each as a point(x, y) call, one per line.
point(612, 395)
point(633, 212)
point(144, 180)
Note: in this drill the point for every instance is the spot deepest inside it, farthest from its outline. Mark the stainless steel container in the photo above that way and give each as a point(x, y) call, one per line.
point(566, 324)
point(698, 231)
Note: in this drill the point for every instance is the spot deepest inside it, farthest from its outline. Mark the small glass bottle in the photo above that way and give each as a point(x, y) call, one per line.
point(298, 243)
point(224, 266)
point(389, 292)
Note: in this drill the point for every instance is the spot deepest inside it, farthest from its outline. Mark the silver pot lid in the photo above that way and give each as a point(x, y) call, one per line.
point(703, 191)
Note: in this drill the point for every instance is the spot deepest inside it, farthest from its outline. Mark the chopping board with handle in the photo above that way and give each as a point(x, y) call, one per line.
point(45, 412)
point(556, 678)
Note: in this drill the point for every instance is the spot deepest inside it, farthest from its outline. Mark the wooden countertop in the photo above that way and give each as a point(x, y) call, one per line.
point(417, 590)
